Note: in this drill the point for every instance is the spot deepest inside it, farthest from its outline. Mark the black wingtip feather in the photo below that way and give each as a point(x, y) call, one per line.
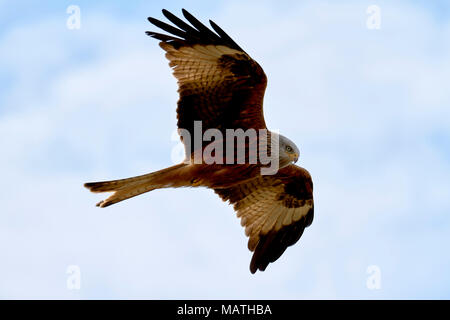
point(198, 33)
point(167, 27)
point(178, 22)
point(162, 37)
point(200, 26)
point(223, 34)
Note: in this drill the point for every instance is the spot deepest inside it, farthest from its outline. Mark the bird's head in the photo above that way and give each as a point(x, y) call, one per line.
point(288, 151)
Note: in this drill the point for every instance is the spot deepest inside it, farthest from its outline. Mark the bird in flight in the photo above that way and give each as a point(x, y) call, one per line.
point(221, 90)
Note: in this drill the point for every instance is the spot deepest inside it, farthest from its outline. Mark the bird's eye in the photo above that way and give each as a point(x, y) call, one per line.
point(288, 148)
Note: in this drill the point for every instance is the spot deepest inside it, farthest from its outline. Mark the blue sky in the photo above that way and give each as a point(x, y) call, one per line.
point(369, 110)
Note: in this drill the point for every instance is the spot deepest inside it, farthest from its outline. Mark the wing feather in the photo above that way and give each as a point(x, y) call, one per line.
point(219, 84)
point(274, 210)
point(200, 26)
point(167, 27)
point(179, 23)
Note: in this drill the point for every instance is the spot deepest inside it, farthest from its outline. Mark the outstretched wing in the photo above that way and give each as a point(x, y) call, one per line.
point(274, 210)
point(219, 84)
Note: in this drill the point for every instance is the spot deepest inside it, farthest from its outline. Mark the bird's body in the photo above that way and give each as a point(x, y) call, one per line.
point(221, 97)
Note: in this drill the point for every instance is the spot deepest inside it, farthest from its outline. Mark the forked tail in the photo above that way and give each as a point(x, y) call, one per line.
point(127, 188)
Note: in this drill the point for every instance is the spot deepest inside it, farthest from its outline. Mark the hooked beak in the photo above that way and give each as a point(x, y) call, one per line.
point(294, 157)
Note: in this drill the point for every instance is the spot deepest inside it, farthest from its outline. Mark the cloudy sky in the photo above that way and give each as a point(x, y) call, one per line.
point(369, 109)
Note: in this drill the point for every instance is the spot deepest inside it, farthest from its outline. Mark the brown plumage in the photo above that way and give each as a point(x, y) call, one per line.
point(223, 87)
point(274, 211)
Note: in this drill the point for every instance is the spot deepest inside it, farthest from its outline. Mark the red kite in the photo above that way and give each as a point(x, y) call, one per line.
point(222, 88)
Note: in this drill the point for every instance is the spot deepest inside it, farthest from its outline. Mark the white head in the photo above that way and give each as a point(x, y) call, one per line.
point(288, 151)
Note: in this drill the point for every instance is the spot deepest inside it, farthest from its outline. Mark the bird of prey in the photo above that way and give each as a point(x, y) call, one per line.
point(222, 87)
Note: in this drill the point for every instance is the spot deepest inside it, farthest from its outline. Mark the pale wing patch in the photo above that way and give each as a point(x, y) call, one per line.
point(198, 64)
point(261, 212)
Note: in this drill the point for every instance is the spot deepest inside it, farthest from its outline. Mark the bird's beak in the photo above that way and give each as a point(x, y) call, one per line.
point(294, 157)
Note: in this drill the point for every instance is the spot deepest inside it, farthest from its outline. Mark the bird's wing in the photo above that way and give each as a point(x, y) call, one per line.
point(274, 211)
point(219, 83)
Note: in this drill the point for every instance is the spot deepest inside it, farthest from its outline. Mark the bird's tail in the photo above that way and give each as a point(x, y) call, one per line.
point(127, 188)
